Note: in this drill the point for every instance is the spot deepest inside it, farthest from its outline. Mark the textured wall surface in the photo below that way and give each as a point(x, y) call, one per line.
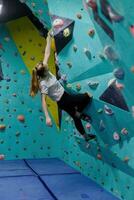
point(30, 137)
point(98, 59)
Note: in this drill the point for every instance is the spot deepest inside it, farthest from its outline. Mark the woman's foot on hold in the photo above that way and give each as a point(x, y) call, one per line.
point(89, 137)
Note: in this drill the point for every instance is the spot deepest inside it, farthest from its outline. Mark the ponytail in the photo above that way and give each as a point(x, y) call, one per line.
point(34, 84)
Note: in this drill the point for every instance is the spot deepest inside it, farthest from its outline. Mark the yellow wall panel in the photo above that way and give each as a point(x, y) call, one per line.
point(31, 47)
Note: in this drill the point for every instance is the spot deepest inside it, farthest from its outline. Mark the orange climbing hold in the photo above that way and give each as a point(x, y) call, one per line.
point(91, 32)
point(21, 118)
point(2, 127)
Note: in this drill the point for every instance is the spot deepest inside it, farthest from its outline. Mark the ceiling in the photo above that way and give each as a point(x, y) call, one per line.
point(13, 9)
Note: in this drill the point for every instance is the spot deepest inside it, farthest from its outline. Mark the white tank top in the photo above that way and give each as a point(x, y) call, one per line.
point(51, 87)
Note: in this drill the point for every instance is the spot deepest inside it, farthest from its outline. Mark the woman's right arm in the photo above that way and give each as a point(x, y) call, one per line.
point(47, 50)
point(44, 106)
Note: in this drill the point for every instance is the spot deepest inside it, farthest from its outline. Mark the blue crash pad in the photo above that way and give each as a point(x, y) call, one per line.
point(14, 168)
point(50, 166)
point(23, 188)
point(76, 187)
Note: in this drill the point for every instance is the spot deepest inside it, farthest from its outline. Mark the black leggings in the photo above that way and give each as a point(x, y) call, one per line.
point(72, 103)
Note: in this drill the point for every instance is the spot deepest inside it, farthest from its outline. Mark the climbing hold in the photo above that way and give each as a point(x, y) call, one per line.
point(75, 48)
point(87, 53)
point(124, 131)
point(115, 17)
point(69, 64)
point(87, 145)
point(99, 156)
point(78, 87)
point(2, 157)
point(102, 56)
point(21, 118)
point(91, 32)
point(119, 86)
point(116, 136)
point(23, 72)
point(69, 85)
point(2, 127)
point(32, 58)
point(1, 141)
point(132, 69)
point(14, 95)
point(42, 118)
point(132, 111)
point(33, 4)
point(110, 53)
point(88, 126)
point(93, 84)
point(58, 23)
point(126, 159)
point(1, 119)
point(119, 73)
point(92, 4)
point(40, 11)
point(108, 110)
point(24, 53)
point(16, 54)
point(7, 79)
point(67, 119)
point(7, 39)
point(66, 32)
point(17, 134)
point(102, 126)
point(79, 16)
point(64, 78)
point(132, 30)
point(112, 82)
point(100, 110)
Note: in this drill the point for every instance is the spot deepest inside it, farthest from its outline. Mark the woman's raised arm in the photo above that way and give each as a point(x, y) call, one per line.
point(47, 49)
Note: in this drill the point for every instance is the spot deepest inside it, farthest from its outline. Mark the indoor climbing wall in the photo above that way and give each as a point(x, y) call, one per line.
point(23, 133)
point(94, 41)
point(40, 10)
point(99, 59)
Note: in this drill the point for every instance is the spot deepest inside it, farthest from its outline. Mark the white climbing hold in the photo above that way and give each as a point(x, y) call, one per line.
point(87, 53)
point(116, 136)
point(110, 53)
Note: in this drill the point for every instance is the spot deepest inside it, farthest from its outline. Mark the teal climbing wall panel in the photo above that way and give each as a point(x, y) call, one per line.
point(30, 137)
point(110, 160)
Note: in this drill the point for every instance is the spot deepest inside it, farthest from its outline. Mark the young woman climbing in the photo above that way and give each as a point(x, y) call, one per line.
point(44, 81)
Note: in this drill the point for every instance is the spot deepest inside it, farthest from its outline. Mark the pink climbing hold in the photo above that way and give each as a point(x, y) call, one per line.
point(132, 30)
point(92, 4)
point(99, 156)
point(124, 131)
point(91, 32)
point(21, 118)
point(2, 157)
point(119, 86)
point(78, 87)
point(116, 136)
point(88, 126)
point(108, 110)
point(57, 23)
